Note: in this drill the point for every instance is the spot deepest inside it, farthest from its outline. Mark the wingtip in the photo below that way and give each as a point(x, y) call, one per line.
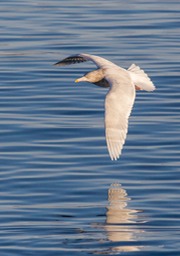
point(114, 151)
point(59, 63)
point(114, 157)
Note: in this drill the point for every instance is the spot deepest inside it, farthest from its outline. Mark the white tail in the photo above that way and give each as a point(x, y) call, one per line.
point(140, 78)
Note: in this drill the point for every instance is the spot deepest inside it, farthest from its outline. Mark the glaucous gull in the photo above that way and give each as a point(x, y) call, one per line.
point(120, 97)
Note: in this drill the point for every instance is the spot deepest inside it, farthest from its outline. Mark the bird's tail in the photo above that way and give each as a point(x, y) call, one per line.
point(140, 78)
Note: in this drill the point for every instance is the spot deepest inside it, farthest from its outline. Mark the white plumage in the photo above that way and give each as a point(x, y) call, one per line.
point(120, 98)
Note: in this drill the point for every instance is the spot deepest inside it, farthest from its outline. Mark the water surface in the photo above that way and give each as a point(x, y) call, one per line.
point(60, 192)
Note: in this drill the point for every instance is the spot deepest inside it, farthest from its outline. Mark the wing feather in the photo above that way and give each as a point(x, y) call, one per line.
point(99, 61)
point(71, 60)
point(118, 105)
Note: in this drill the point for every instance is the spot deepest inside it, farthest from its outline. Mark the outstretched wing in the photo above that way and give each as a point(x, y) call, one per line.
point(118, 105)
point(100, 62)
point(140, 78)
point(71, 60)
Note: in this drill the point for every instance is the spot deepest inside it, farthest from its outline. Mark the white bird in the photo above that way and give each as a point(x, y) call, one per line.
point(120, 97)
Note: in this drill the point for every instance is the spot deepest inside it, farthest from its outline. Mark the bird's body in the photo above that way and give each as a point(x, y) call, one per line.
point(120, 98)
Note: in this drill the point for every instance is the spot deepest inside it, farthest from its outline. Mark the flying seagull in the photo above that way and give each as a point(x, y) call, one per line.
point(120, 97)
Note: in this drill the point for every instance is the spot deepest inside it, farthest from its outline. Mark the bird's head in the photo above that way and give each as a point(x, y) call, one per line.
point(91, 77)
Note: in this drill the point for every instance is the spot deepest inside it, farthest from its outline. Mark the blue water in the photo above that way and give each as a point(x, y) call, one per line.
point(60, 194)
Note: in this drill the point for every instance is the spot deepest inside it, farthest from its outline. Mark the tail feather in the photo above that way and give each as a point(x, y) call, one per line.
point(140, 78)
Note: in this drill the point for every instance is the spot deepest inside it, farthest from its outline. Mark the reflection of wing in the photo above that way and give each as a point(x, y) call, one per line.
point(140, 78)
point(118, 105)
point(121, 224)
point(117, 218)
point(117, 213)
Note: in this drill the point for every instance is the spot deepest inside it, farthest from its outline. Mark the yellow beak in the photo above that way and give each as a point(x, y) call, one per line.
point(76, 81)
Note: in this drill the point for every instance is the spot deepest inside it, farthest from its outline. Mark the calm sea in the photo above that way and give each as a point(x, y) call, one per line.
point(60, 194)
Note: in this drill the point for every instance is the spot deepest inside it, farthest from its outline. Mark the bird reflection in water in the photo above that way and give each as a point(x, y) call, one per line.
point(121, 221)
